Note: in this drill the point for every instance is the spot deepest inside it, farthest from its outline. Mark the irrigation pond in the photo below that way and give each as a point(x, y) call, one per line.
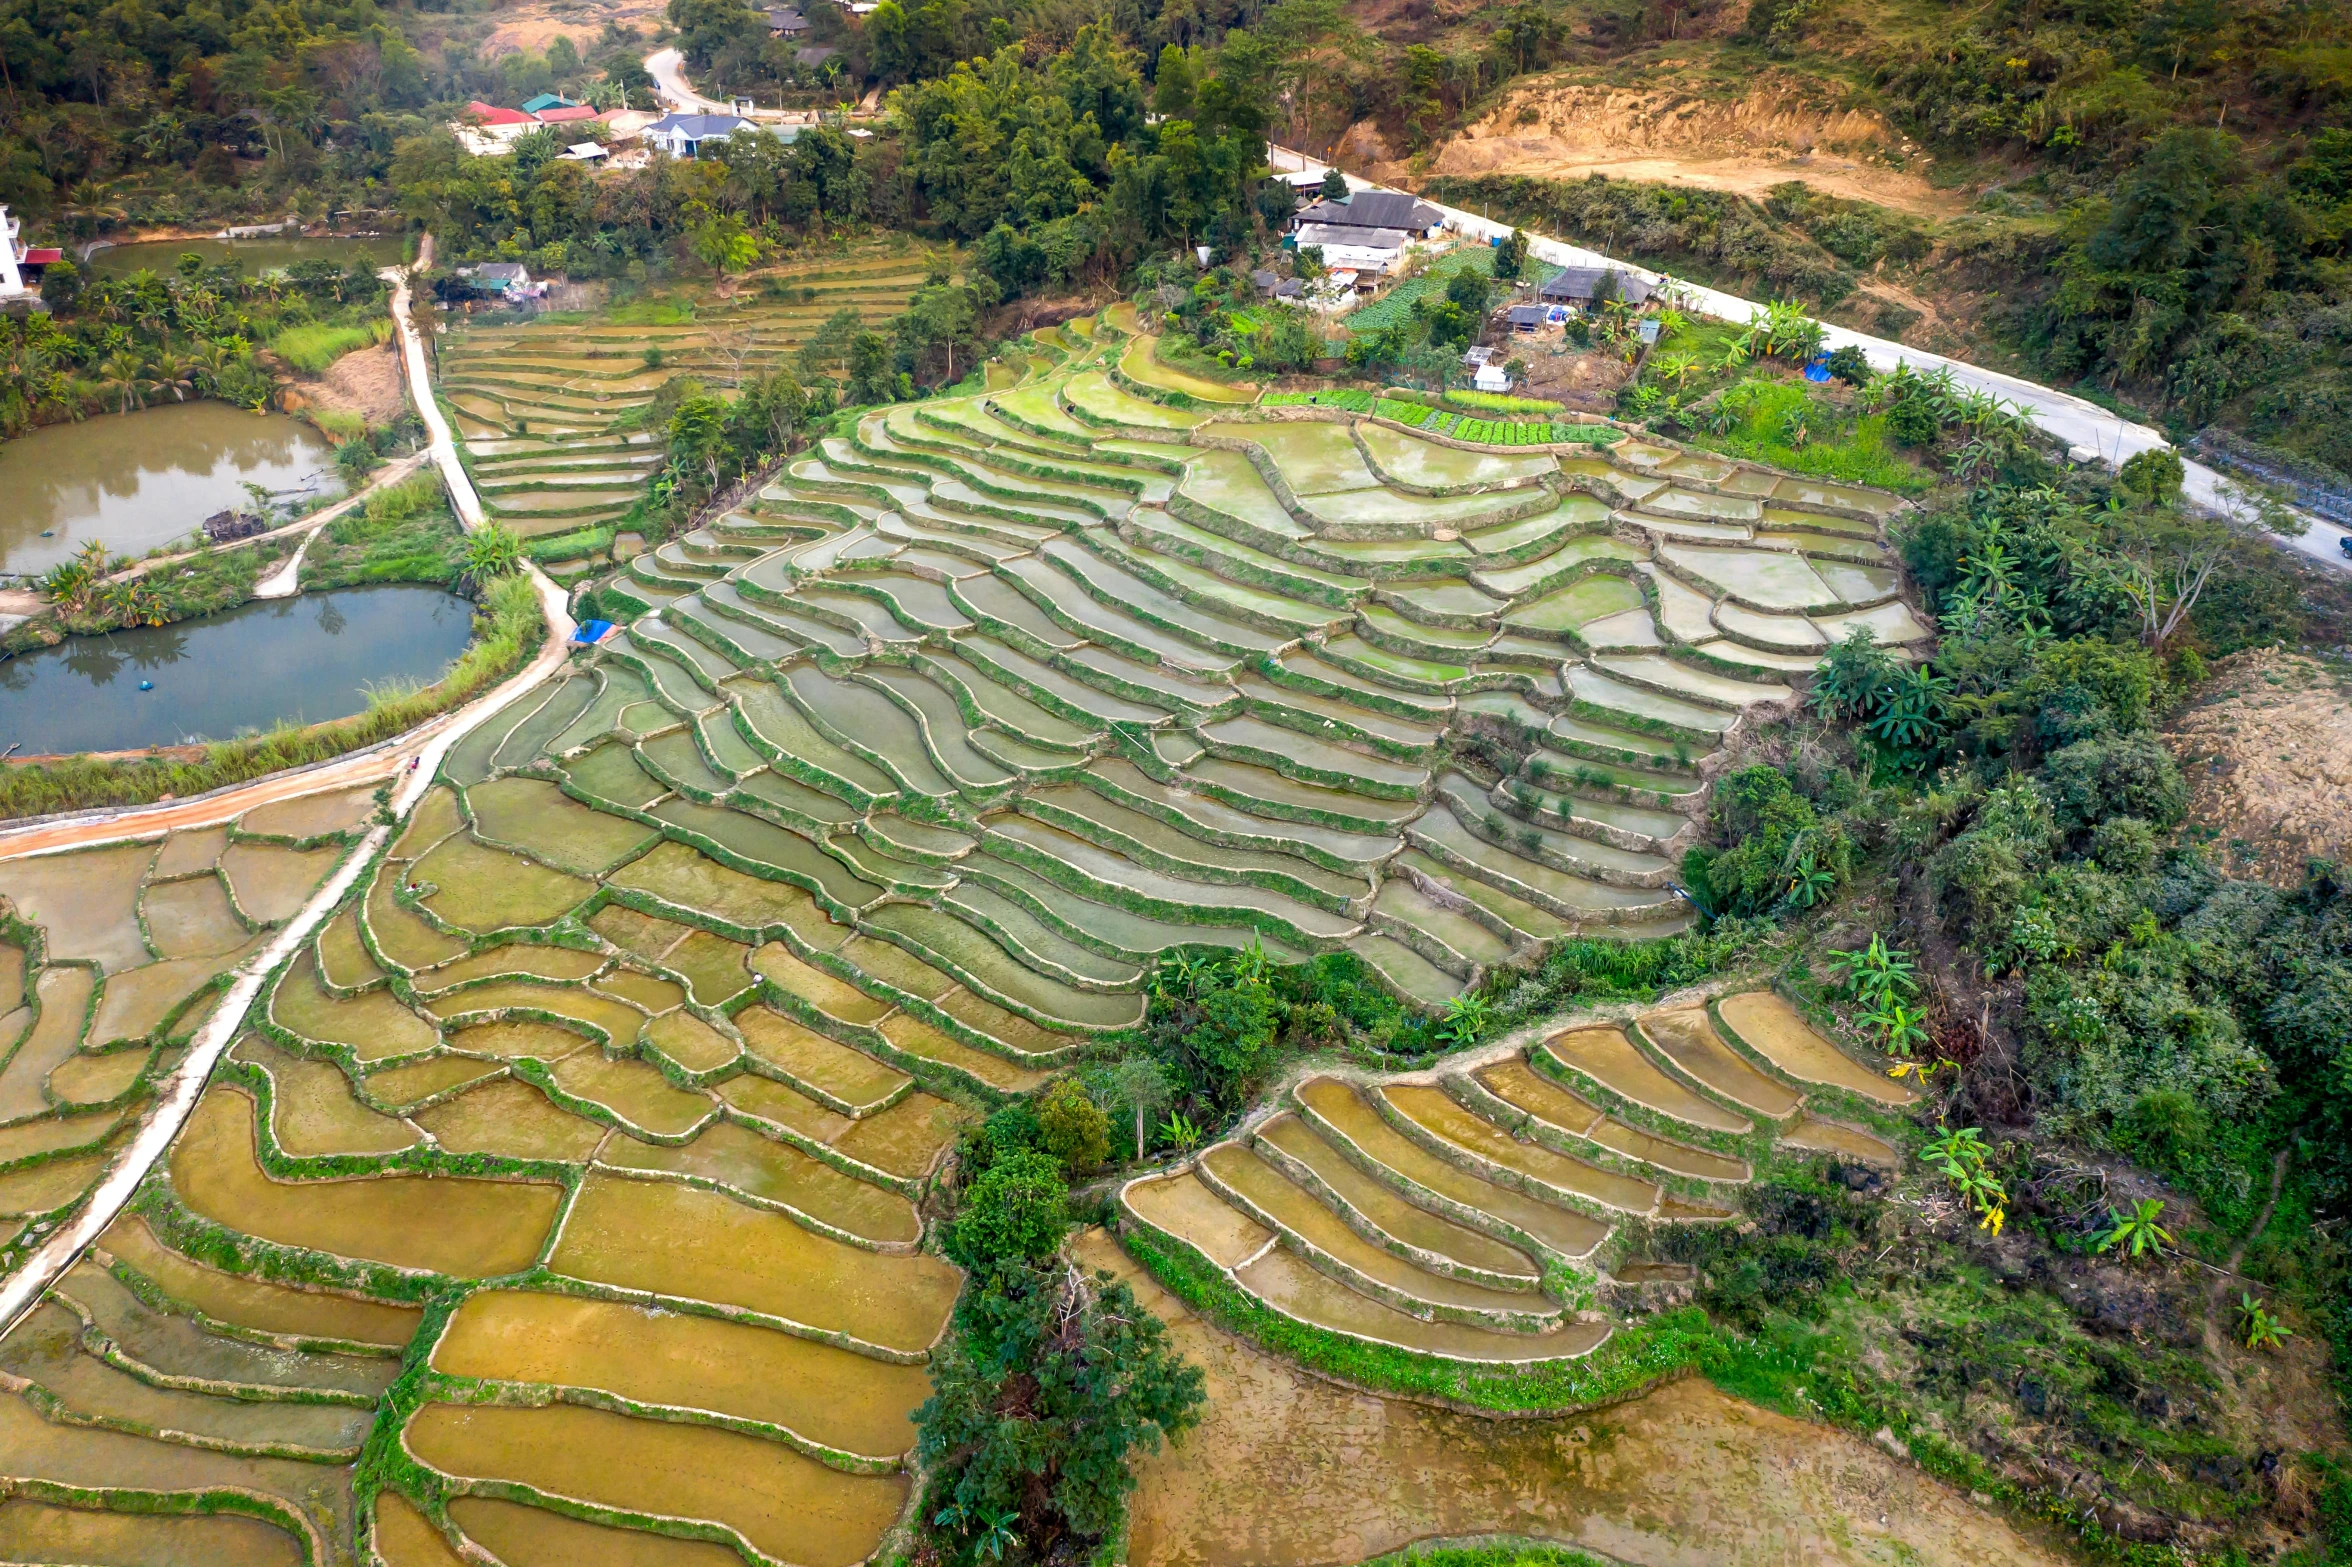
point(139, 480)
point(252, 256)
point(300, 660)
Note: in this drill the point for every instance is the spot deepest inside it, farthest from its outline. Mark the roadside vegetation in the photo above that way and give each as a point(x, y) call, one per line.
point(2159, 194)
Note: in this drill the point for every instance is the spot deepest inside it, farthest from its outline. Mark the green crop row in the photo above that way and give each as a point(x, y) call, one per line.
point(1498, 403)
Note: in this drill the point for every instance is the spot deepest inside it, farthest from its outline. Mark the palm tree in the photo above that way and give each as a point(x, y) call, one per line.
point(122, 372)
point(205, 367)
point(174, 373)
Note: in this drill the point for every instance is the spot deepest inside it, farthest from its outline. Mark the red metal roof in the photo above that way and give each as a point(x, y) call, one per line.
point(43, 256)
point(491, 114)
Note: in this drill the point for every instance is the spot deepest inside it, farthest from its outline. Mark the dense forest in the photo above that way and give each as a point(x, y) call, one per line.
point(126, 113)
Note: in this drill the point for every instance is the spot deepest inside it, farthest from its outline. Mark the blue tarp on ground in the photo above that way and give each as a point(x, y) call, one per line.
point(591, 632)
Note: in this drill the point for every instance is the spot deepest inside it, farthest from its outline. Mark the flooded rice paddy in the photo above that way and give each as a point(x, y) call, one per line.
point(623, 1075)
point(300, 660)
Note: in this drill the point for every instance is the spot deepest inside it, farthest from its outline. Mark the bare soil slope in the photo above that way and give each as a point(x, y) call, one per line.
point(2267, 747)
point(1555, 127)
point(366, 382)
point(1288, 1469)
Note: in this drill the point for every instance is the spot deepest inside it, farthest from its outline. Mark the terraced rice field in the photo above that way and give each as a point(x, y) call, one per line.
point(546, 410)
point(621, 1186)
point(571, 1170)
point(110, 960)
point(1425, 1212)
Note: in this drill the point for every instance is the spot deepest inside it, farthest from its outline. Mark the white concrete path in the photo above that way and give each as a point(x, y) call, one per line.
point(2074, 420)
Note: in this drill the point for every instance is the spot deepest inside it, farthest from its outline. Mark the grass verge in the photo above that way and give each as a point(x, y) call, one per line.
point(311, 349)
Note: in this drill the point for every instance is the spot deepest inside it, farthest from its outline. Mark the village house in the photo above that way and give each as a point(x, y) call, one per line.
point(1369, 231)
point(21, 265)
point(682, 135)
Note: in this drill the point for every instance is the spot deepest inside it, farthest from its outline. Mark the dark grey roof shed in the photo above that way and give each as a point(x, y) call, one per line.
point(1576, 285)
point(1376, 209)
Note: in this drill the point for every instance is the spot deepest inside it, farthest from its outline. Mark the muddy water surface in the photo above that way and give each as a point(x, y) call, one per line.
point(1289, 1471)
point(145, 478)
point(251, 256)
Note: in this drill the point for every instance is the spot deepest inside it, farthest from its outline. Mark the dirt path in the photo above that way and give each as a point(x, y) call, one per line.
point(413, 762)
point(1542, 158)
point(420, 754)
point(1290, 1471)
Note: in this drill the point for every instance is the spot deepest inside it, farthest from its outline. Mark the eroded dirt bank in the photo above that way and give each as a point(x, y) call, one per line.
point(1288, 1471)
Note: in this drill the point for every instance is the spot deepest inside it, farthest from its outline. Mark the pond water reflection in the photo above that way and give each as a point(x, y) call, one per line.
point(297, 660)
point(252, 255)
point(134, 481)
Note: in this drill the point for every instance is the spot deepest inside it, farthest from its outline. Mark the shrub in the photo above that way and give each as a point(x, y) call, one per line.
point(2152, 477)
point(1017, 1209)
point(2124, 845)
point(1779, 848)
point(1849, 366)
point(2115, 775)
point(1051, 1379)
point(1072, 1127)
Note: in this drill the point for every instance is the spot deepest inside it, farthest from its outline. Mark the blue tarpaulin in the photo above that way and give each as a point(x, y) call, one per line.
point(591, 632)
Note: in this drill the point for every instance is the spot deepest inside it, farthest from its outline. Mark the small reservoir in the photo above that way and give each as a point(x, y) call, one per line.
point(252, 256)
point(138, 480)
point(300, 660)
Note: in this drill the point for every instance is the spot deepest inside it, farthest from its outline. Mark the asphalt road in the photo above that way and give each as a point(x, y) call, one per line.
point(2074, 420)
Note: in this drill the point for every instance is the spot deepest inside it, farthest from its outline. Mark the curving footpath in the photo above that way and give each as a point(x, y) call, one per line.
point(419, 753)
point(2074, 420)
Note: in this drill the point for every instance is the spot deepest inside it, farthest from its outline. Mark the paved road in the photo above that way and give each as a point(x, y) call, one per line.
point(667, 67)
point(2072, 419)
point(668, 70)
